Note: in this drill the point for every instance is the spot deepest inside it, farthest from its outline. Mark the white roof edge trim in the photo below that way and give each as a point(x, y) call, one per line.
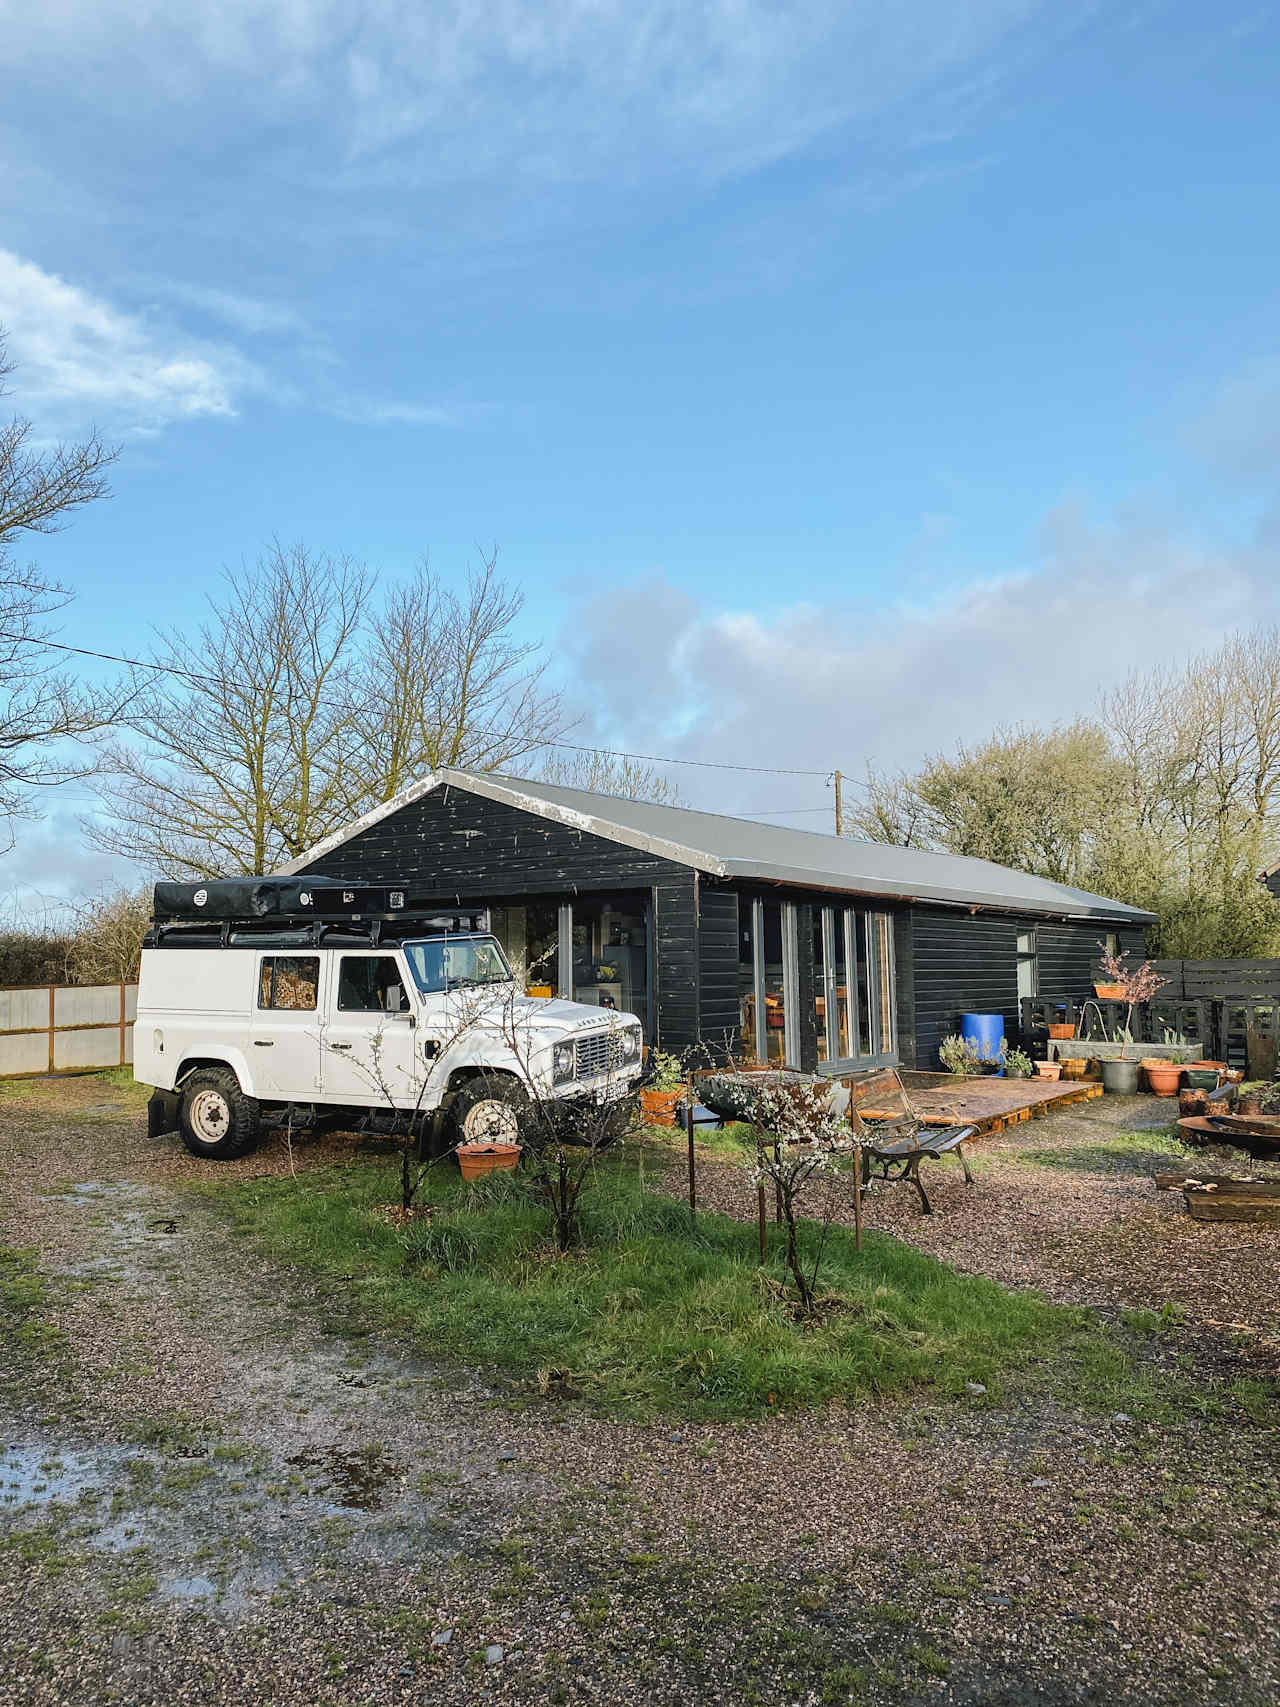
point(366, 821)
point(491, 789)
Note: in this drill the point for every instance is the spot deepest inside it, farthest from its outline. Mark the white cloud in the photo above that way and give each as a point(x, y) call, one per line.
point(886, 683)
point(79, 356)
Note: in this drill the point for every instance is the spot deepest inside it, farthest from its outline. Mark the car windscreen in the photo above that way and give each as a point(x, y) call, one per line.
point(456, 963)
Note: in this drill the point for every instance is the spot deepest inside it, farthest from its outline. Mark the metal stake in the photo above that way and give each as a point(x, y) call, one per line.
point(688, 1126)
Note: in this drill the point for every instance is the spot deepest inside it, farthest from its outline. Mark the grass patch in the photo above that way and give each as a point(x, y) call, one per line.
point(28, 1339)
point(1117, 1153)
point(655, 1314)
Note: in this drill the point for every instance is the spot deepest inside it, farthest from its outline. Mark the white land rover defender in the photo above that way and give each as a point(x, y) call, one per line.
point(266, 1000)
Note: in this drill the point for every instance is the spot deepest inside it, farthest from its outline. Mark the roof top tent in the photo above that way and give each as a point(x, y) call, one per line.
point(783, 945)
point(296, 912)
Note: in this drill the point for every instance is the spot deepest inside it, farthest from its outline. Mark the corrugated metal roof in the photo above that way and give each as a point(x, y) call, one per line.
point(739, 847)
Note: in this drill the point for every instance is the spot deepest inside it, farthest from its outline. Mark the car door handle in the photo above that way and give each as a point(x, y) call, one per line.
point(339, 1046)
point(263, 1043)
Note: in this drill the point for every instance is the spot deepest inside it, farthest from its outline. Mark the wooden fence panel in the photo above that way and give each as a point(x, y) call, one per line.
point(66, 1028)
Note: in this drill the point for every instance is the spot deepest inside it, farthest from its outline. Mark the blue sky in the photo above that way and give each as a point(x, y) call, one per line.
point(835, 379)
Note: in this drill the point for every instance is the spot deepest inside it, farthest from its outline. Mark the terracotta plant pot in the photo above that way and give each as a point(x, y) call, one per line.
point(1109, 992)
point(1048, 1069)
point(1060, 1033)
point(1163, 1077)
point(1074, 1067)
point(660, 1106)
point(477, 1159)
point(1204, 1066)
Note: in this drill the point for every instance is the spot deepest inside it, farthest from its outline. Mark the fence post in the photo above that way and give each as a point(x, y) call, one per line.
point(53, 990)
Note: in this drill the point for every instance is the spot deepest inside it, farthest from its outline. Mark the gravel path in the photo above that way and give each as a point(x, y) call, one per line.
point(218, 1488)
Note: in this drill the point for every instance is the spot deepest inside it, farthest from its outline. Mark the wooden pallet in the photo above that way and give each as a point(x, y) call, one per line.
point(982, 1108)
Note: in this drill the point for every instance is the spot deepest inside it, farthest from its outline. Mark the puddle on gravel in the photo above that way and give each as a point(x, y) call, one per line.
point(34, 1475)
point(362, 1480)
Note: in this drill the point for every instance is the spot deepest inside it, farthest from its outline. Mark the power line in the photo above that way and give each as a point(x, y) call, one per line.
point(559, 746)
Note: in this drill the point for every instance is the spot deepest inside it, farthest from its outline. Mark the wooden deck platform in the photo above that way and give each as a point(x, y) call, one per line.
point(991, 1104)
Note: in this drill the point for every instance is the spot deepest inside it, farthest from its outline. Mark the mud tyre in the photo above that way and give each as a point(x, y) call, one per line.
point(489, 1110)
point(216, 1119)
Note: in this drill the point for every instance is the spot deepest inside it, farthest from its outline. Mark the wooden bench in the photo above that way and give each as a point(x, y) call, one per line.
point(900, 1158)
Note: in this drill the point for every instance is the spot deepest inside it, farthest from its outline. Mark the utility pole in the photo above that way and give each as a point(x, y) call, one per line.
point(839, 805)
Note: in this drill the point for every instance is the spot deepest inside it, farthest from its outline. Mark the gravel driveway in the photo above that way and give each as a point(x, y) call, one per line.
point(219, 1487)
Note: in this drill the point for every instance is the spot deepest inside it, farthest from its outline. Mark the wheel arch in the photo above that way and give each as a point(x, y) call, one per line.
point(231, 1059)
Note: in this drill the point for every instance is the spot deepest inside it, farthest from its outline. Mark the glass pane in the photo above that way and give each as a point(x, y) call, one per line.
point(746, 981)
point(841, 979)
point(370, 984)
point(289, 981)
point(879, 925)
point(610, 957)
point(861, 939)
point(530, 938)
point(775, 1001)
point(820, 982)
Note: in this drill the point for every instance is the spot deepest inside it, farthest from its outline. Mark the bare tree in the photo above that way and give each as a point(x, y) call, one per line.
point(444, 681)
point(612, 773)
point(41, 708)
point(246, 735)
point(301, 701)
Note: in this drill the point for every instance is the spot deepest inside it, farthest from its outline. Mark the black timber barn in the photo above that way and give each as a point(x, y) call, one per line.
point(777, 945)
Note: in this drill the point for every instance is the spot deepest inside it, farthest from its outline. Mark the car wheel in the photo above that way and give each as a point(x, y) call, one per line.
point(489, 1111)
point(216, 1119)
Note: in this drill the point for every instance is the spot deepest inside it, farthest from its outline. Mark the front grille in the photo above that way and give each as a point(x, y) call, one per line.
point(592, 1055)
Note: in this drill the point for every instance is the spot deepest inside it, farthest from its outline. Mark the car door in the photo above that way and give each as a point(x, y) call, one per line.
point(370, 1036)
point(287, 1026)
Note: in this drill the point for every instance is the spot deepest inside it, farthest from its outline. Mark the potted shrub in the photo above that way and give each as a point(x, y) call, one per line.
point(959, 1055)
point(1134, 985)
point(1018, 1064)
point(664, 1089)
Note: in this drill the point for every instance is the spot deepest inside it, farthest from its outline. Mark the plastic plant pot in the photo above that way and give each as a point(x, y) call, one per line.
point(1048, 1069)
point(1202, 1078)
point(1120, 1077)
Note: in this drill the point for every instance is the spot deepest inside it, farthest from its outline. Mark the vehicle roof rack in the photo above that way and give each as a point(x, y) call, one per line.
point(283, 902)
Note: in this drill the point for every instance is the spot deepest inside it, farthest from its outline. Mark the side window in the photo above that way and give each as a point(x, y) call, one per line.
point(289, 981)
point(370, 984)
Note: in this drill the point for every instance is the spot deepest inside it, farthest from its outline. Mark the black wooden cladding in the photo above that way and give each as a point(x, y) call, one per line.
point(675, 929)
point(467, 847)
point(968, 963)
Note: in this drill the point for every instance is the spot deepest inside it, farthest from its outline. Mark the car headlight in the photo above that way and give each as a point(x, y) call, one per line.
point(562, 1062)
point(629, 1046)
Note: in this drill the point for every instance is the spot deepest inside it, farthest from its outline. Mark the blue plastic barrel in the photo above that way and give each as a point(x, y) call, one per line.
point(985, 1032)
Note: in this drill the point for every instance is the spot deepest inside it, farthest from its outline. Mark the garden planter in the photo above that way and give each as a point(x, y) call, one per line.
point(1074, 1067)
point(1109, 992)
point(1202, 1078)
point(1249, 1105)
point(477, 1159)
point(1120, 1077)
point(1048, 1069)
point(1060, 1033)
point(1163, 1077)
point(660, 1106)
point(1192, 1102)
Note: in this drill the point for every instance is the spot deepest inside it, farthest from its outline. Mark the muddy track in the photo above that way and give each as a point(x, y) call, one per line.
point(217, 1486)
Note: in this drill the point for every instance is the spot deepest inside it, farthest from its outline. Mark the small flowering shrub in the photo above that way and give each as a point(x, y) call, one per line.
point(800, 1137)
point(960, 1055)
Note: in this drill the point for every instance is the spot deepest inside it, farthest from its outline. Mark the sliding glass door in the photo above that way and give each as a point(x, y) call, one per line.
point(852, 994)
point(853, 987)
